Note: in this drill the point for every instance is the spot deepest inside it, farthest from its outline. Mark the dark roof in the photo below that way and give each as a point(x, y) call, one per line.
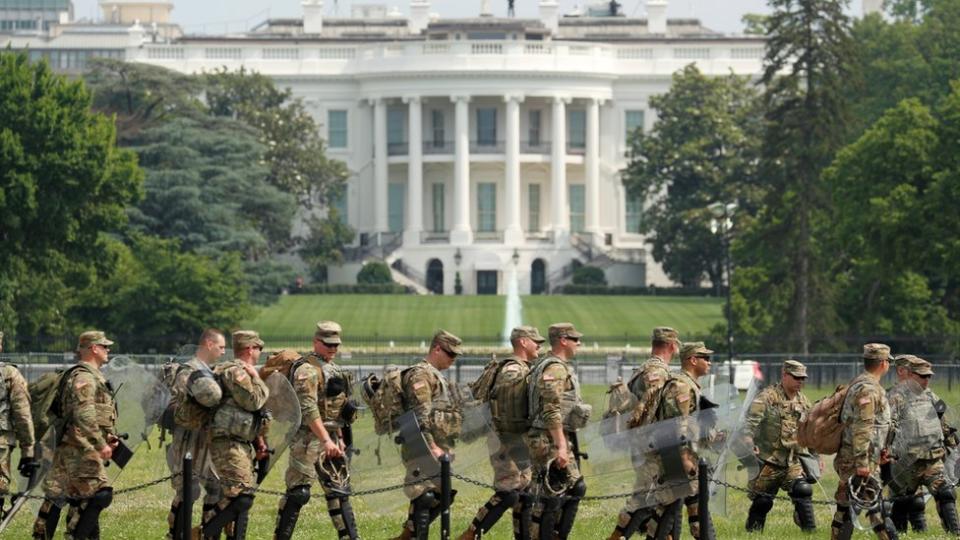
point(35, 4)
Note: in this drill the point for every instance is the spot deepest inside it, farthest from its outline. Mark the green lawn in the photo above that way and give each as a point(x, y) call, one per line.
point(417, 317)
point(143, 514)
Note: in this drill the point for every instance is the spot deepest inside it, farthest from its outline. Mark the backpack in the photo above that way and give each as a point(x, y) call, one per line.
point(482, 387)
point(164, 386)
point(384, 397)
point(282, 361)
point(46, 407)
point(188, 413)
point(821, 428)
point(620, 400)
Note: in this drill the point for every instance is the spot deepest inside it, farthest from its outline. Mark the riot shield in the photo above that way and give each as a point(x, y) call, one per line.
point(915, 430)
point(131, 383)
point(43, 452)
point(285, 415)
point(950, 419)
point(736, 462)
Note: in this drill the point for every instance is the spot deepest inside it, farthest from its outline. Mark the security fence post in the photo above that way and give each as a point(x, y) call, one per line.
point(703, 503)
point(445, 491)
point(186, 504)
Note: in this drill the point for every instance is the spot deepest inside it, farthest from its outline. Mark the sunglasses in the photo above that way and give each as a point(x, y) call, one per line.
point(573, 339)
point(702, 357)
point(451, 354)
point(330, 345)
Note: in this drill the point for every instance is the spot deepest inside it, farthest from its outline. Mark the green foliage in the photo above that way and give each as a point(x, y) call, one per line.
point(374, 272)
point(755, 24)
point(622, 290)
point(63, 184)
point(324, 245)
point(360, 288)
point(589, 275)
point(703, 148)
point(295, 152)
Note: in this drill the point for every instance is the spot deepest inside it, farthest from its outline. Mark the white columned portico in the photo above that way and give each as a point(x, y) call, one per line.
point(513, 232)
point(591, 165)
point(380, 165)
point(414, 225)
point(461, 233)
point(558, 167)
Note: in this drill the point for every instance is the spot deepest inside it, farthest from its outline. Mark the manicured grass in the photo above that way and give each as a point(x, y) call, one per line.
point(143, 514)
point(417, 317)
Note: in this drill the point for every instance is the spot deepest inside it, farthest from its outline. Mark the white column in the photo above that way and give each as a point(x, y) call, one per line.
point(559, 212)
point(513, 232)
point(461, 233)
point(591, 165)
point(380, 165)
point(414, 225)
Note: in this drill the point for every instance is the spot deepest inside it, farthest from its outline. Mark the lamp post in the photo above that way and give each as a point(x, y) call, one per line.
point(721, 224)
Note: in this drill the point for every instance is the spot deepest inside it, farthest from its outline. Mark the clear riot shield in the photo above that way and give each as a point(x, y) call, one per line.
point(139, 401)
point(950, 419)
point(915, 429)
point(735, 463)
point(285, 416)
point(43, 452)
point(404, 456)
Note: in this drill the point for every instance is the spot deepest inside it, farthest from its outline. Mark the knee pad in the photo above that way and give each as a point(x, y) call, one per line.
point(945, 493)
point(102, 498)
point(298, 496)
point(426, 501)
point(917, 504)
point(762, 504)
point(508, 498)
point(801, 489)
point(578, 490)
point(243, 502)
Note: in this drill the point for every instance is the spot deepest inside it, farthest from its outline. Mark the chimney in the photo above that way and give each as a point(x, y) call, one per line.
point(312, 16)
point(872, 6)
point(485, 9)
point(657, 17)
point(419, 16)
point(550, 14)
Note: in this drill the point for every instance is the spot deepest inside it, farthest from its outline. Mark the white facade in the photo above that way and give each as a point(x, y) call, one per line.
point(489, 146)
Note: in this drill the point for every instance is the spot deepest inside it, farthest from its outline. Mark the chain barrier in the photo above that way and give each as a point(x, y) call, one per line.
point(124, 491)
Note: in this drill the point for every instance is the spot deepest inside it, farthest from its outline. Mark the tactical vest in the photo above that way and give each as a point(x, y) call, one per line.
point(777, 434)
point(508, 399)
point(573, 413)
point(6, 422)
point(334, 394)
point(881, 423)
point(445, 419)
point(230, 419)
point(919, 431)
point(103, 402)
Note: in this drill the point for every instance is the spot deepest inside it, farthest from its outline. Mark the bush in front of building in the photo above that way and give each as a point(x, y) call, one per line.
point(621, 290)
point(589, 275)
point(374, 273)
point(361, 288)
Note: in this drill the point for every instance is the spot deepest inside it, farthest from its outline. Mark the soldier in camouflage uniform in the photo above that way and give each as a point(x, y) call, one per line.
point(16, 426)
point(644, 387)
point(680, 398)
point(866, 415)
point(511, 465)
point(557, 411)
point(427, 393)
point(236, 433)
point(771, 429)
point(88, 441)
point(323, 389)
point(195, 380)
point(923, 438)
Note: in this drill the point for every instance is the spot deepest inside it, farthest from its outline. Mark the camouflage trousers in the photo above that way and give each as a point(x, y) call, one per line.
point(512, 469)
point(306, 465)
point(76, 475)
point(542, 451)
point(846, 470)
point(772, 479)
point(5, 477)
point(233, 463)
point(922, 472)
point(414, 466)
point(199, 447)
point(682, 488)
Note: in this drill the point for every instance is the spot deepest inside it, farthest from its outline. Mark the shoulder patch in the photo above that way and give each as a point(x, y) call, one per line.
point(864, 401)
point(511, 368)
point(419, 384)
point(652, 377)
point(683, 397)
point(80, 383)
point(549, 377)
point(242, 376)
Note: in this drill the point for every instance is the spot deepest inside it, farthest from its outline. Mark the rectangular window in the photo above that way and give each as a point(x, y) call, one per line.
point(438, 202)
point(396, 196)
point(436, 121)
point(339, 204)
point(396, 131)
point(533, 208)
point(337, 129)
point(487, 127)
point(632, 120)
point(534, 130)
point(634, 214)
point(486, 207)
point(577, 205)
point(577, 128)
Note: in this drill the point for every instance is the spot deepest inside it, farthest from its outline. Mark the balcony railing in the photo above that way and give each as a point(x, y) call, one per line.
point(490, 237)
point(576, 149)
point(545, 237)
point(397, 149)
point(435, 237)
point(438, 147)
point(535, 147)
point(487, 147)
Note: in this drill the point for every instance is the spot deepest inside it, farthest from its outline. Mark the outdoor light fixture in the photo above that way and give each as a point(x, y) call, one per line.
point(516, 257)
point(458, 257)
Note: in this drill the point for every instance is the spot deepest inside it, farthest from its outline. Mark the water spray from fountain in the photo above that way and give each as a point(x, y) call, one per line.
point(514, 316)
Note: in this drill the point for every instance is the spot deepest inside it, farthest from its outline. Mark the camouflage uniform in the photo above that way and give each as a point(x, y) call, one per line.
point(323, 389)
point(866, 415)
point(236, 423)
point(16, 423)
point(771, 425)
point(78, 475)
point(644, 386)
point(512, 470)
point(555, 401)
point(203, 388)
point(427, 393)
point(921, 439)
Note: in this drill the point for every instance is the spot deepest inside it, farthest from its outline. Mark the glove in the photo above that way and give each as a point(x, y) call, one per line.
point(27, 466)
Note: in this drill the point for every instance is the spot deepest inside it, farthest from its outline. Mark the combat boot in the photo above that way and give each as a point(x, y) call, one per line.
point(615, 535)
point(469, 534)
point(407, 534)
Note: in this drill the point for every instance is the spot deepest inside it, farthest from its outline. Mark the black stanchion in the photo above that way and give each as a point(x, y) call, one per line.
point(445, 490)
point(186, 504)
point(703, 502)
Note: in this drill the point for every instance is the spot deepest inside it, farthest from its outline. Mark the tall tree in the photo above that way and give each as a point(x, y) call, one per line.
point(807, 67)
point(703, 149)
point(63, 184)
